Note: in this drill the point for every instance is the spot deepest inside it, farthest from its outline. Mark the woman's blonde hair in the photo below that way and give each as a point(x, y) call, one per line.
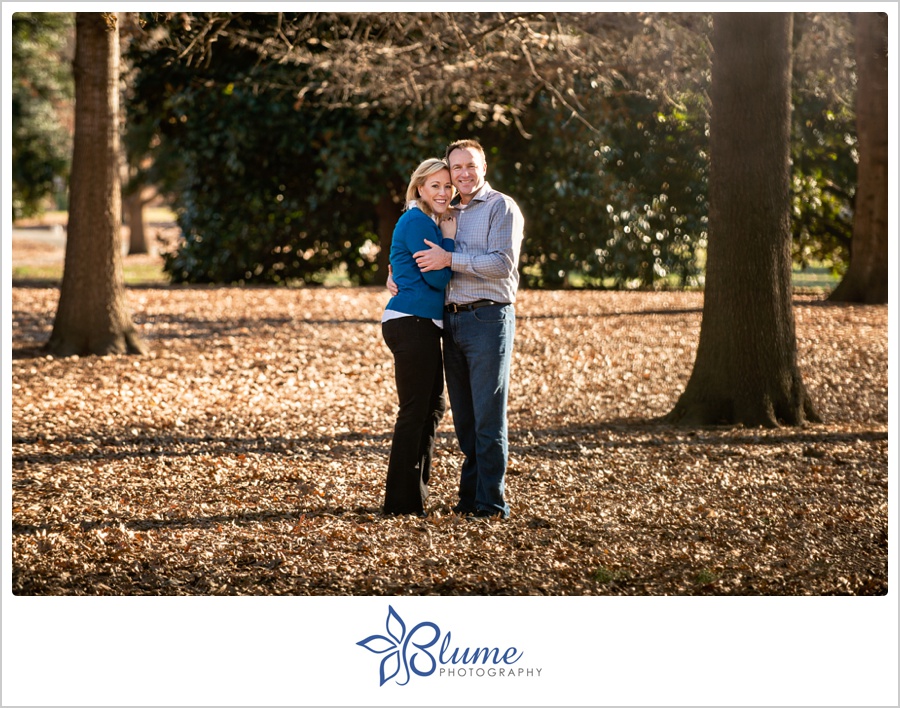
point(419, 177)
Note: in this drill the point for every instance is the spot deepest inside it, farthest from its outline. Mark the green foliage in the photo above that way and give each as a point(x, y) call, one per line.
point(823, 184)
point(604, 575)
point(624, 207)
point(706, 577)
point(657, 208)
point(267, 188)
point(274, 180)
point(42, 91)
point(823, 141)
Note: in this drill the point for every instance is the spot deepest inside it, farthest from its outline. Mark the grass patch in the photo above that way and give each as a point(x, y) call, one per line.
point(152, 215)
point(706, 577)
point(145, 274)
point(32, 272)
point(605, 575)
point(139, 273)
point(159, 215)
point(814, 277)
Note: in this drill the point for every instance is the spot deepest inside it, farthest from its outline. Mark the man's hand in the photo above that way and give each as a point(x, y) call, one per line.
point(390, 284)
point(434, 258)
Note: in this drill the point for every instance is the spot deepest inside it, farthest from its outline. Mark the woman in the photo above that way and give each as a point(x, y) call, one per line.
point(411, 327)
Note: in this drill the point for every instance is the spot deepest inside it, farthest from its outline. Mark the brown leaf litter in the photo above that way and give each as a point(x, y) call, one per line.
point(246, 455)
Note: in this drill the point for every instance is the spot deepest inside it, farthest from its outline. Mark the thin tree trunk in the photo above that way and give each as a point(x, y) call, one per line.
point(388, 212)
point(92, 317)
point(134, 217)
point(866, 279)
point(746, 369)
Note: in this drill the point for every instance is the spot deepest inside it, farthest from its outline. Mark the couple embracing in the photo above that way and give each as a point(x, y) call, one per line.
point(454, 275)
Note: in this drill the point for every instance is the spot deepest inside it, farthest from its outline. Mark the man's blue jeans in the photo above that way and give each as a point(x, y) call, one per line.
point(477, 354)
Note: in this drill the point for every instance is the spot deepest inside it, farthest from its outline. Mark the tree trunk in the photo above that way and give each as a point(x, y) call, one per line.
point(134, 217)
point(746, 368)
point(866, 279)
point(388, 212)
point(92, 317)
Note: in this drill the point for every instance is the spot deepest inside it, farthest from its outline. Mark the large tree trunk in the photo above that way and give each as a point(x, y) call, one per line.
point(92, 317)
point(746, 368)
point(866, 279)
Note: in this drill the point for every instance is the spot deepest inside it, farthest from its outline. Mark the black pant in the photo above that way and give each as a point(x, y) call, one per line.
point(418, 370)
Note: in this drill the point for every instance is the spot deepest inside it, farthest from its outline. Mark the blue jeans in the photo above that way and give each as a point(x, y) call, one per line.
point(477, 354)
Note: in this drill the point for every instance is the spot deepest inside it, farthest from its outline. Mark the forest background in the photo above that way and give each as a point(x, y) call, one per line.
point(604, 144)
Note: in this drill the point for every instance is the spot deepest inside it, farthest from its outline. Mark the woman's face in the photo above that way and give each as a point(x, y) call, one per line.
point(437, 191)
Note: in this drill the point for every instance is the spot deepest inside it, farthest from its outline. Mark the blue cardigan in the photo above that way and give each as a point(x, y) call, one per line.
point(421, 294)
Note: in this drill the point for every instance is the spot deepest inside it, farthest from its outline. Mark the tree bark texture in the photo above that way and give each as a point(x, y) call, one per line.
point(746, 368)
point(866, 279)
point(134, 217)
point(388, 212)
point(92, 317)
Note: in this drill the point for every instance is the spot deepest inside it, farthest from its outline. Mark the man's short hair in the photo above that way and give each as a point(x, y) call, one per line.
point(465, 143)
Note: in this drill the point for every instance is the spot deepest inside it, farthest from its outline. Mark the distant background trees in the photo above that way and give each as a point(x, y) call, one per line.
point(319, 142)
point(283, 141)
point(824, 145)
point(42, 96)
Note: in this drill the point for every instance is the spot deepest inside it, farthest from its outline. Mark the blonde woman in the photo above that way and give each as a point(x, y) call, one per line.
point(412, 326)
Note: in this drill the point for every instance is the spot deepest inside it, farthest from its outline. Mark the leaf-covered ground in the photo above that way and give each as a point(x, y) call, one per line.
point(247, 455)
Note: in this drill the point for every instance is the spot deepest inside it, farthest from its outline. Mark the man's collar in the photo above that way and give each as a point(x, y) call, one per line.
point(480, 195)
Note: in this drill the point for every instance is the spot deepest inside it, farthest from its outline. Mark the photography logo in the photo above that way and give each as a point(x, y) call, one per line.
point(425, 651)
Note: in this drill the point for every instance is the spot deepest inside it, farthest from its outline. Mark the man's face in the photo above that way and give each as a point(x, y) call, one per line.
point(467, 170)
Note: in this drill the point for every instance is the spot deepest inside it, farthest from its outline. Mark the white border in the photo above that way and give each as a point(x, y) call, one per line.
point(301, 651)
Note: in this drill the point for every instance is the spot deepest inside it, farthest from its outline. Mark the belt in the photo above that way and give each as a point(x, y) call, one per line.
point(453, 307)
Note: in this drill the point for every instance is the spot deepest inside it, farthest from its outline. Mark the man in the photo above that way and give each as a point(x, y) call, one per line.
point(479, 325)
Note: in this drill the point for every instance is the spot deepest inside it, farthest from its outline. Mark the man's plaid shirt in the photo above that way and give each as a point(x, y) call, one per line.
point(489, 237)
